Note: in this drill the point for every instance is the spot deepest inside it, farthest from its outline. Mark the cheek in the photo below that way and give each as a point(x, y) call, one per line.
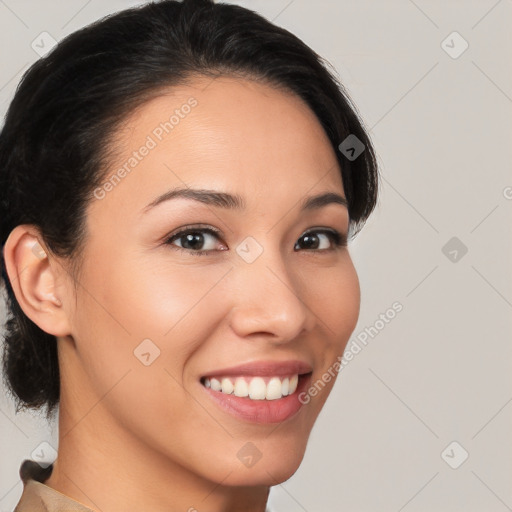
point(149, 296)
point(146, 305)
point(334, 296)
point(348, 292)
point(149, 320)
point(337, 306)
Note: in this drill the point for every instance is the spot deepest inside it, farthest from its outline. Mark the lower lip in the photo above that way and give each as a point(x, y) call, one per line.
point(261, 411)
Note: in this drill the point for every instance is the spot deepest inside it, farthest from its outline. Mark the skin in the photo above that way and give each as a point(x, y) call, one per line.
point(149, 437)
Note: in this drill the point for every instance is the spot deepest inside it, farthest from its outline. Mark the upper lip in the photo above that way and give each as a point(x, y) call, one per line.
point(265, 368)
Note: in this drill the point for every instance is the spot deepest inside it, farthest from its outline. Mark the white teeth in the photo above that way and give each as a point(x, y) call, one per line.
point(227, 386)
point(215, 384)
point(285, 386)
point(254, 387)
point(241, 387)
point(257, 389)
point(274, 388)
point(293, 384)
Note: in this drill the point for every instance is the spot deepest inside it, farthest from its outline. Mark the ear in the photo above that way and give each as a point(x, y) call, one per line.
point(34, 279)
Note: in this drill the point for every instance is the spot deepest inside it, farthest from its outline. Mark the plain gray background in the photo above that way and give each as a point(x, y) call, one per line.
point(439, 372)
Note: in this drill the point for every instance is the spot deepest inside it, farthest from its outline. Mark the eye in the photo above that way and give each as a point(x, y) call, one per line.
point(192, 239)
point(318, 240)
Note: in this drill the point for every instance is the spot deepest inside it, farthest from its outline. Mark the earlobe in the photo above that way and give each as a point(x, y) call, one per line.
point(33, 280)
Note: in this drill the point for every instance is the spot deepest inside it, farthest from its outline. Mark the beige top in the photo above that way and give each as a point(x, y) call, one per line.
point(38, 497)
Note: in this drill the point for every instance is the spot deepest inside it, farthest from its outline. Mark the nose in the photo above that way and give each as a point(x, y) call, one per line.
point(269, 300)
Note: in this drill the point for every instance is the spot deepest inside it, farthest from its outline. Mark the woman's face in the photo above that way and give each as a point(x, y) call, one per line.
point(156, 313)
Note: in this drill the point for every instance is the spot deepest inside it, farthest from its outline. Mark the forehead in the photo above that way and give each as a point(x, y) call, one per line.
point(225, 133)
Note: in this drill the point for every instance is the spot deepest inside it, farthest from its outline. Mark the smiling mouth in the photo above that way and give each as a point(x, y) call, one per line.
point(255, 387)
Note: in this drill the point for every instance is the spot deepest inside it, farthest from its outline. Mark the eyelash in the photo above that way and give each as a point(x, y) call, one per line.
point(339, 239)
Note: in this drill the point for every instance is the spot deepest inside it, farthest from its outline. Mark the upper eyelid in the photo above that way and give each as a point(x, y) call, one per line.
point(209, 229)
point(193, 229)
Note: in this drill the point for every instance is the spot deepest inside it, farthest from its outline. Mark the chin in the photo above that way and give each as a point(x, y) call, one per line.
point(268, 471)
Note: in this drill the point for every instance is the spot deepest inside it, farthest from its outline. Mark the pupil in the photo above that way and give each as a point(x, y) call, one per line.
point(193, 241)
point(311, 241)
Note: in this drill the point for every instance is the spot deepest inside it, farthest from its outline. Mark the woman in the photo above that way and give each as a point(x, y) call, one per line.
point(179, 184)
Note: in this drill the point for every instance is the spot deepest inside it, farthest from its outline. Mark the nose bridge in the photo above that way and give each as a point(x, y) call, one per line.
point(268, 298)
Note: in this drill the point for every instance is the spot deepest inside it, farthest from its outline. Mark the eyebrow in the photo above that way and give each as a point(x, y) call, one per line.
point(236, 202)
